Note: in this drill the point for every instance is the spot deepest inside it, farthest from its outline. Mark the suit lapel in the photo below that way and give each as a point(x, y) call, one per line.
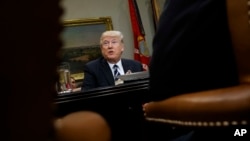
point(107, 72)
point(125, 65)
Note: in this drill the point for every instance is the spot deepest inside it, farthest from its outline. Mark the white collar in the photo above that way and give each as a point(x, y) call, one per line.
point(120, 67)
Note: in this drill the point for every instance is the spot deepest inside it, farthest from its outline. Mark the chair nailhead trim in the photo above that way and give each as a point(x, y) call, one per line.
point(199, 123)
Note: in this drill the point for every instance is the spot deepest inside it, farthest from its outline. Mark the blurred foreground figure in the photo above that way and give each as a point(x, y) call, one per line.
point(82, 126)
point(29, 73)
point(192, 49)
point(30, 39)
point(199, 46)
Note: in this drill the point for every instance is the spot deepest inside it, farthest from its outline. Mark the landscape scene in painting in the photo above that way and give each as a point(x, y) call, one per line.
point(77, 57)
point(81, 44)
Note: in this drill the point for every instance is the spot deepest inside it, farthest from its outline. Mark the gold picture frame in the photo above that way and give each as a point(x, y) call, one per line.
point(81, 39)
point(157, 6)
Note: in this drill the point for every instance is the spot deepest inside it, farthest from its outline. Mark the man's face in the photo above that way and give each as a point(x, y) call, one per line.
point(112, 49)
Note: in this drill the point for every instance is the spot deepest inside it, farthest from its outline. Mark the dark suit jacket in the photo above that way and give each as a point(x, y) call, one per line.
point(192, 49)
point(97, 73)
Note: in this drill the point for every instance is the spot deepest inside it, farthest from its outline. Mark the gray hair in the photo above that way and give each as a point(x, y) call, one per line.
point(111, 33)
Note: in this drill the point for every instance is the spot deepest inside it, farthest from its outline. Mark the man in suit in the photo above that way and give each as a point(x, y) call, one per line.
point(101, 72)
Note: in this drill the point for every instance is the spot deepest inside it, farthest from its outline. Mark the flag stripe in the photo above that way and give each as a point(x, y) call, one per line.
point(141, 52)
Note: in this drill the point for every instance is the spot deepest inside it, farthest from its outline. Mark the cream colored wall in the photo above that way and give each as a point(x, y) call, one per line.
point(119, 12)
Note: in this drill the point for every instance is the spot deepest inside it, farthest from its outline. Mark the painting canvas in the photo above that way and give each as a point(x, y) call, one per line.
point(81, 39)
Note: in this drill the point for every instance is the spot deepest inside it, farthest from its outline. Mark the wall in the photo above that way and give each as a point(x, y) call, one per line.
point(119, 12)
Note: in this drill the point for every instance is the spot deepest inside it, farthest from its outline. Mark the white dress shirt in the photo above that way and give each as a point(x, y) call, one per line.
point(120, 67)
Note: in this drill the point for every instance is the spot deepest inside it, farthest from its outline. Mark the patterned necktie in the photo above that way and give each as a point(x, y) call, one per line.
point(116, 72)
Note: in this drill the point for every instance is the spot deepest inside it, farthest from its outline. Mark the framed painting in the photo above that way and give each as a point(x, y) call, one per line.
point(81, 39)
point(157, 6)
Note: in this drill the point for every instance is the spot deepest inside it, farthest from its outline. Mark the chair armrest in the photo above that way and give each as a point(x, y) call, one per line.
point(219, 107)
